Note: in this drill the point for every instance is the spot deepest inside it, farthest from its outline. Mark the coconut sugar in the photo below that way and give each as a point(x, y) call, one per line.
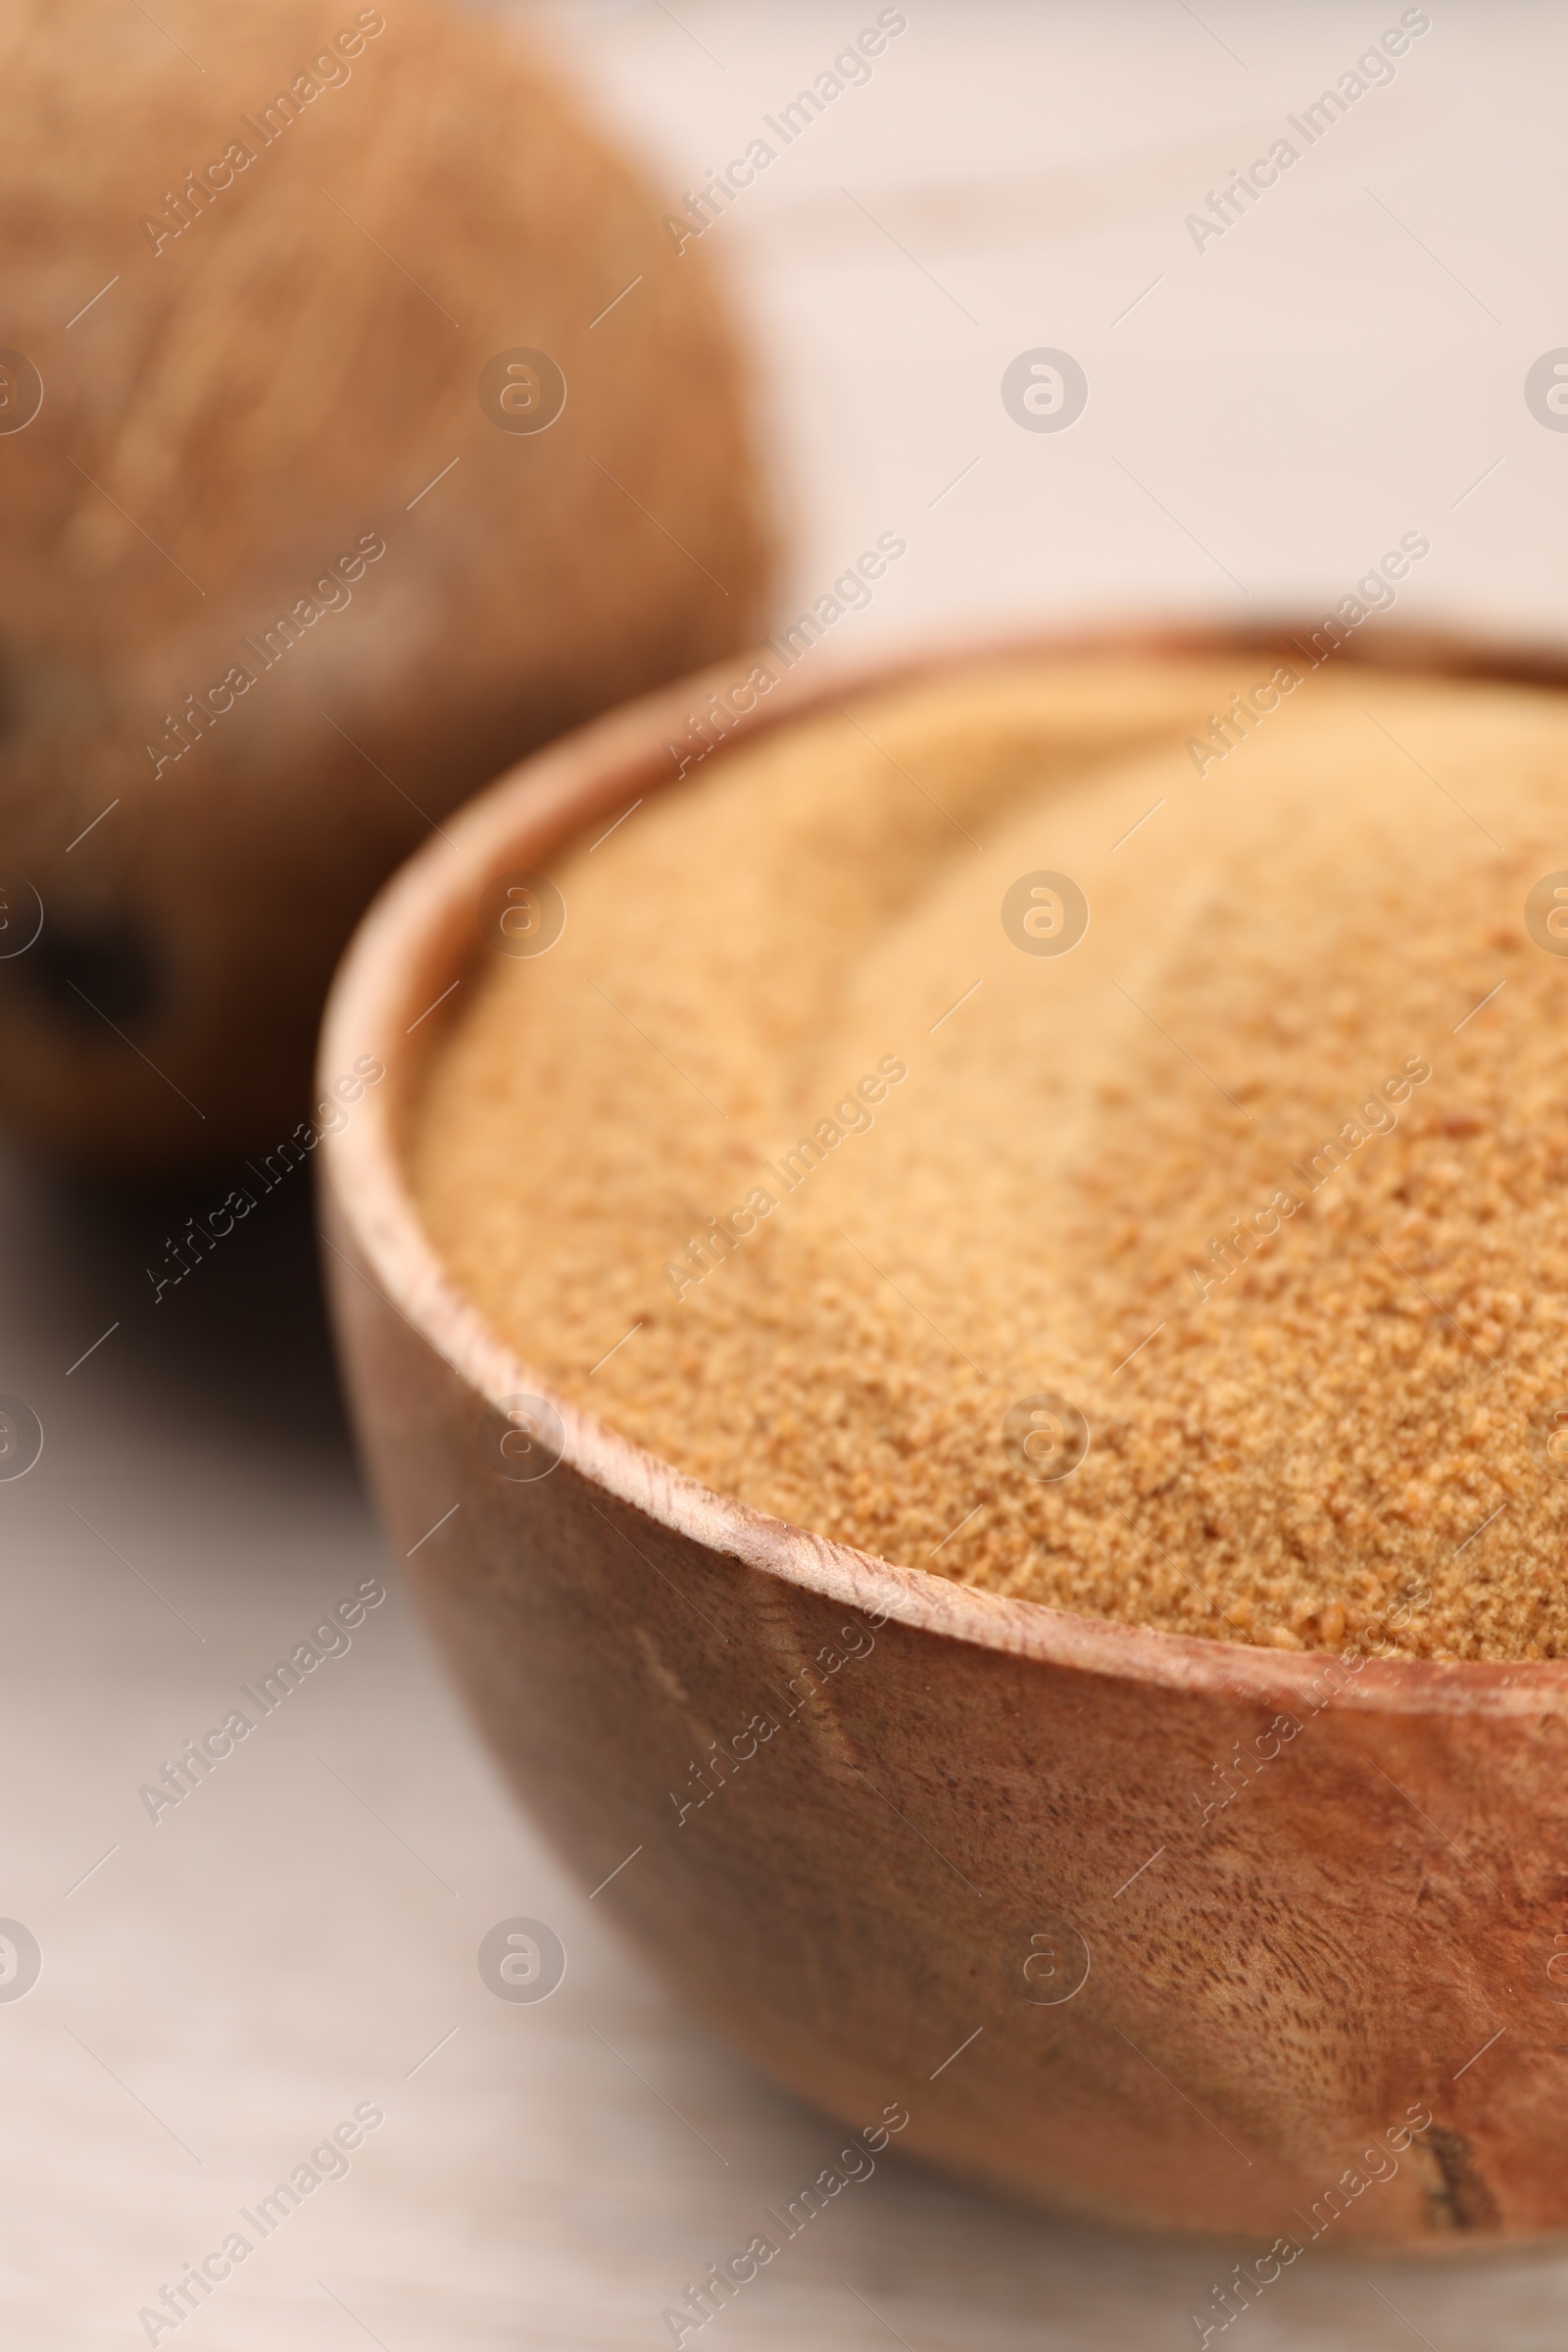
point(814, 1159)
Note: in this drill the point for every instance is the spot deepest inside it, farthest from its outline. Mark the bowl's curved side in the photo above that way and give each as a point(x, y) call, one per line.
point(1178, 1956)
point(867, 1816)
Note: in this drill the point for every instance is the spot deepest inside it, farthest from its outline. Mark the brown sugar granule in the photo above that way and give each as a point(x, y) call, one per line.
point(1260, 1185)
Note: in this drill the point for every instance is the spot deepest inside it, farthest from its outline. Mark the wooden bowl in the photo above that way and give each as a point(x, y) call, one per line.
point(929, 1854)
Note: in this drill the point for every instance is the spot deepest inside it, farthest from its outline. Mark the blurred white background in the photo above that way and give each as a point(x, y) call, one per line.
point(1343, 365)
point(1265, 417)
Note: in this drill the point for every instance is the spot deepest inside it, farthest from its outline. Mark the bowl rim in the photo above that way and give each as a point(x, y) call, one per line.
point(419, 930)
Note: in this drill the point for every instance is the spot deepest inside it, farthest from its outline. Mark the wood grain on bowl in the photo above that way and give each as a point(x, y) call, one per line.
point(1157, 1929)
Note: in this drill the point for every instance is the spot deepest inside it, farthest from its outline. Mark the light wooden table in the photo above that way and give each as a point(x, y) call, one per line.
point(222, 1987)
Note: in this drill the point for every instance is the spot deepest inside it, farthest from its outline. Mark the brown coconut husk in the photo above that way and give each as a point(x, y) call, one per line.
point(261, 390)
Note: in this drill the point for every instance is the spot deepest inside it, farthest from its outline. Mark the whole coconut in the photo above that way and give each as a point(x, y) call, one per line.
point(361, 427)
